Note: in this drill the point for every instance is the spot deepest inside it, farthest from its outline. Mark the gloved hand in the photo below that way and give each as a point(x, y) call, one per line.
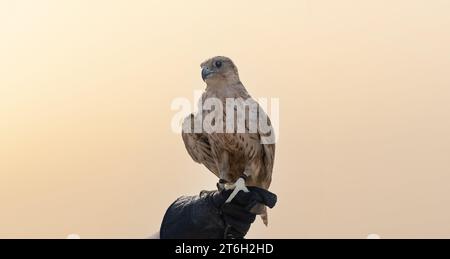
point(207, 216)
point(237, 214)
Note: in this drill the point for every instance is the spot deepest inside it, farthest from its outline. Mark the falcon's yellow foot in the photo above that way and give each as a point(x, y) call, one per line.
point(238, 186)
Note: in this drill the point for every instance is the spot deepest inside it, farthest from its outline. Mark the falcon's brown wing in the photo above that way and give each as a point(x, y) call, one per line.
point(267, 158)
point(198, 146)
point(269, 149)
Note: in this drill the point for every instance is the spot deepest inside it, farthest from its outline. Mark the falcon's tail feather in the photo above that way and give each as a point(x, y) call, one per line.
point(261, 210)
point(265, 217)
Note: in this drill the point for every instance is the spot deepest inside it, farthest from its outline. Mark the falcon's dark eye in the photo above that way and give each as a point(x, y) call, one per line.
point(218, 64)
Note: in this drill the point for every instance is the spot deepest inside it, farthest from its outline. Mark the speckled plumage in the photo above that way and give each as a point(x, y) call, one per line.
point(230, 155)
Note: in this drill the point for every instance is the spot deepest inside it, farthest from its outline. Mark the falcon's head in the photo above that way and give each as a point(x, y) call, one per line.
point(219, 70)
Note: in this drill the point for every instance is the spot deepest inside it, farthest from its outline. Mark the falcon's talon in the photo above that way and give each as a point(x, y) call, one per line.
point(238, 186)
point(220, 187)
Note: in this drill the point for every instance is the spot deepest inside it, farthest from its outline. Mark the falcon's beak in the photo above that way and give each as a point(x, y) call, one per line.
point(206, 72)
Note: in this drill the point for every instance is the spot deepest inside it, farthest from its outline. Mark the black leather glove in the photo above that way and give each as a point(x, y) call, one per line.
point(207, 216)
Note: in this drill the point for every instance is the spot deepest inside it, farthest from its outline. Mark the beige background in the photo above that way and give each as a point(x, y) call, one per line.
point(86, 88)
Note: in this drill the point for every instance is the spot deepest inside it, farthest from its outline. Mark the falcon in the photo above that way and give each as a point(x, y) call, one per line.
point(238, 156)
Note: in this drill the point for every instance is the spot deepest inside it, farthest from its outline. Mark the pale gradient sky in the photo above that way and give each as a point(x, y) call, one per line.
point(86, 88)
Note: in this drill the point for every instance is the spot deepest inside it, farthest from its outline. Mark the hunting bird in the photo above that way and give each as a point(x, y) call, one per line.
point(238, 158)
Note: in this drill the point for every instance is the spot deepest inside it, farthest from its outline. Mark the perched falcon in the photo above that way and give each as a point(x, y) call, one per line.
point(238, 158)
